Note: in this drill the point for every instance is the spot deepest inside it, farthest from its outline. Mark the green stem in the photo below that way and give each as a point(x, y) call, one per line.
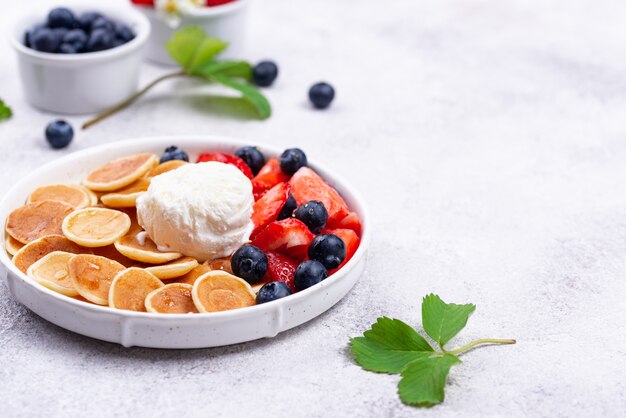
point(130, 100)
point(478, 342)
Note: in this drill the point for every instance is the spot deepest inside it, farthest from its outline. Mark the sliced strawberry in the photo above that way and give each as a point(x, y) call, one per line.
point(281, 268)
point(269, 176)
point(306, 185)
point(226, 159)
point(351, 221)
point(350, 238)
point(289, 236)
point(267, 208)
point(212, 3)
point(145, 2)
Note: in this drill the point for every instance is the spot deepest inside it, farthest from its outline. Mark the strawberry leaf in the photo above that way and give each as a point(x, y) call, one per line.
point(5, 111)
point(191, 48)
point(250, 93)
point(442, 321)
point(236, 69)
point(423, 380)
point(389, 346)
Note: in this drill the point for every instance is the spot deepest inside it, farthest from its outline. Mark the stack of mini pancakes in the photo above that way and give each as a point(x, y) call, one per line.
point(83, 241)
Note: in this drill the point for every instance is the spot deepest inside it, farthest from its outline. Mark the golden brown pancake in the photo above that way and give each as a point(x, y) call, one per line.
point(92, 276)
point(174, 298)
point(141, 248)
point(12, 245)
point(130, 288)
point(196, 272)
point(96, 227)
point(217, 291)
point(173, 269)
point(38, 219)
point(51, 271)
point(127, 196)
point(72, 194)
point(35, 250)
point(120, 173)
point(165, 167)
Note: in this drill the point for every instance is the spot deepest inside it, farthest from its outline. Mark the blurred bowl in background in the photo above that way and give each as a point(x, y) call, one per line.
point(81, 83)
point(227, 22)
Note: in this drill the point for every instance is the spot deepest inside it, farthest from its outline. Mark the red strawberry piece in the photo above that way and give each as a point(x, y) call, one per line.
point(145, 2)
point(350, 238)
point(289, 236)
point(267, 208)
point(306, 185)
point(281, 268)
point(226, 159)
point(269, 176)
point(211, 3)
point(351, 221)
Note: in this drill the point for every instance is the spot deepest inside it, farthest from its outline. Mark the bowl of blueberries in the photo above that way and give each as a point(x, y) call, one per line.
point(76, 60)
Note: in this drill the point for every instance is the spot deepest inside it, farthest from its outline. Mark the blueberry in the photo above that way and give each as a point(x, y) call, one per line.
point(309, 273)
point(99, 40)
point(174, 153)
point(45, 40)
point(321, 95)
point(86, 19)
point(102, 23)
point(28, 35)
point(313, 214)
point(291, 160)
point(272, 291)
point(264, 73)
point(59, 134)
point(68, 49)
point(77, 38)
point(288, 208)
point(249, 263)
point(253, 157)
point(328, 249)
point(61, 18)
point(123, 32)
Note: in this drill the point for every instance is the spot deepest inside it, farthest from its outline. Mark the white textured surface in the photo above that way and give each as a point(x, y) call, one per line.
point(489, 137)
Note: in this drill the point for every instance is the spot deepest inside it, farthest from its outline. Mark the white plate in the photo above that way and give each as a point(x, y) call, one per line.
point(169, 330)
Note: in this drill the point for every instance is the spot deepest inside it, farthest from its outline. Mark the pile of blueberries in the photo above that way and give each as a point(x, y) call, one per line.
point(65, 33)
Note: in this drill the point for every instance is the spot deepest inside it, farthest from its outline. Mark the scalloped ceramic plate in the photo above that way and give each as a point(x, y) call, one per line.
point(167, 330)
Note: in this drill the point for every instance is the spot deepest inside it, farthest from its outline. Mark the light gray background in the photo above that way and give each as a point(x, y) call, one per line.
point(489, 138)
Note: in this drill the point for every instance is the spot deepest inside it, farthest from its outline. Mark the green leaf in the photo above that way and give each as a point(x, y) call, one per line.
point(423, 380)
point(249, 92)
point(389, 346)
point(5, 111)
point(442, 321)
point(237, 69)
point(191, 48)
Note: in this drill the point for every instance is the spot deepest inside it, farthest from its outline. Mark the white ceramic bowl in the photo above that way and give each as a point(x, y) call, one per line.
point(81, 83)
point(170, 330)
point(227, 22)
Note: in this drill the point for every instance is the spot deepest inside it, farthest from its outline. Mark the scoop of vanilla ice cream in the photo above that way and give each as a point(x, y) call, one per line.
point(200, 210)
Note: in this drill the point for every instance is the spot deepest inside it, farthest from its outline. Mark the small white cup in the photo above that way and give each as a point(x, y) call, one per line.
point(81, 83)
point(226, 22)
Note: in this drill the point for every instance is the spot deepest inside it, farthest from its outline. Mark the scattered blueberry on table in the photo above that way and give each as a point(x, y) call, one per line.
point(321, 95)
point(264, 73)
point(65, 33)
point(59, 134)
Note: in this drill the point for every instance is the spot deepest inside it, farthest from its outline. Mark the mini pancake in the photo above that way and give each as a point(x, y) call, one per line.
point(51, 271)
point(126, 197)
point(72, 194)
point(174, 268)
point(120, 173)
point(92, 275)
point(12, 245)
point(191, 277)
point(165, 167)
point(220, 264)
point(111, 252)
point(217, 291)
point(140, 247)
point(96, 227)
point(38, 219)
point(93, 197)
point(130, 288)
point(37, 249)
point(174, 298)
